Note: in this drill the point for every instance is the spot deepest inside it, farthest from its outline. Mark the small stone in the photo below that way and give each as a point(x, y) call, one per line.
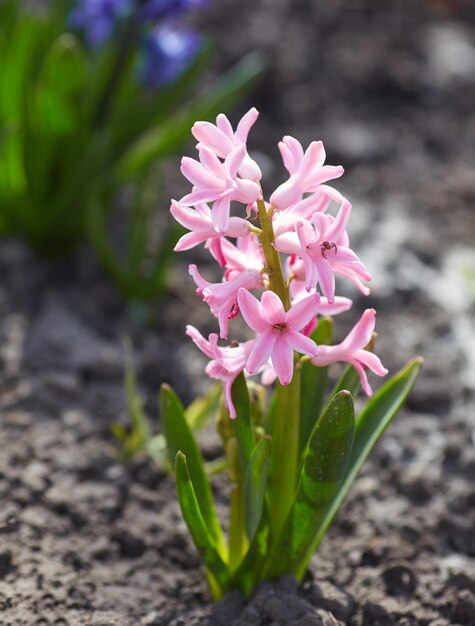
point(327, 596)
point(399, 580)
point(464, 609)
point(130, 545)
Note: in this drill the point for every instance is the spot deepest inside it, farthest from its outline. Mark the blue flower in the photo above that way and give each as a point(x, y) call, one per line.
point(166, 53)
point(98, 18)
point(158, 9)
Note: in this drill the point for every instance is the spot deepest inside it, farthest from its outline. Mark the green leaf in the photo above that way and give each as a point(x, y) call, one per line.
point(349, 380)
point(167, 137)
point(255, 483)
point(203, 407)
point(202, 538)
point(61, 86)
point(314, 384)
point(179, 437)
point(243, 423)
point(370, 425)
point(325, 463)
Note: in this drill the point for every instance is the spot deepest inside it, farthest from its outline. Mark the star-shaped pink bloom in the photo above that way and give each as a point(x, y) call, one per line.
point(352, 350)
point(218, 183)
point(221, 139)
point(222, 298)
point(279, 331)
point(199, 222)
point(226, 363)
point(323, 246)
point(306, 169)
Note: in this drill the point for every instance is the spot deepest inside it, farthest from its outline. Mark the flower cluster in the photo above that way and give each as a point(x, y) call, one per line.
point(290, 248)
point(167, 48)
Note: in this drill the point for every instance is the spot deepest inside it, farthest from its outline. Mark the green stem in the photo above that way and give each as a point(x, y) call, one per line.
point(285, 452)
point(273, 264)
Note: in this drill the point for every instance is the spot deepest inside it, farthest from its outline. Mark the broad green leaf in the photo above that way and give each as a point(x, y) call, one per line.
point(370, 425)
point(313, 384)
point(203, 407)
point(202, 538)
point(243, 423)
point(324, 467)
point(255, 483)
point(179, 437)
point(166, 138)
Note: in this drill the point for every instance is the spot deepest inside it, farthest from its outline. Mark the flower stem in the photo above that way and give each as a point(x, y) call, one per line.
point(274, 266)
point(285, 452)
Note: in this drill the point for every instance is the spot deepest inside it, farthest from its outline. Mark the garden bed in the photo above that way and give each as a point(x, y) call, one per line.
point(87, 540)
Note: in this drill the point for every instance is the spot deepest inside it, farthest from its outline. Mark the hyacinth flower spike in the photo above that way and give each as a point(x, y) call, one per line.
point(291, 454)
point(278, 331)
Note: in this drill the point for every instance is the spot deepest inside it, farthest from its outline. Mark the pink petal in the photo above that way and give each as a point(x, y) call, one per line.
point(212, 137)
point(312, 161)
point(361, 333)
point(188, 217)
point(198, 175)
point(224, 125)
point(301, 343)
point(190, 240)
point(292, 153)
point(220, 214)
point(272, 308)
point(340, 222)
point(327, 172)
point(200, 341)
point(246, 123)
point(261, 351)
point(252, 311)
point(372, 362)
point(302, 312)
point(201, 282)
point(234, 159)
point(283, 360)
point(326, 278)
point(339, 305)
point(211, 162)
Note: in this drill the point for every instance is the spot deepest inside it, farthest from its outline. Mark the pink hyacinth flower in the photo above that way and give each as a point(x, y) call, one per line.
point(221, 139)
point(318, 202)
point(307, 171)
point(222, 298)
point(352, 350)
point(226, 363)
point(199, 222)
point(247, 254)
point(218, 183)
point(323, 246)
point(279, 331)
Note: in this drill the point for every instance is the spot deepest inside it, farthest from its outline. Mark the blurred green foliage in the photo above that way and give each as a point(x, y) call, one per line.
point(77, 130)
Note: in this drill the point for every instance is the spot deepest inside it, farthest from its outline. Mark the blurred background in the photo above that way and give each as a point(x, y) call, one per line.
point(96, 104)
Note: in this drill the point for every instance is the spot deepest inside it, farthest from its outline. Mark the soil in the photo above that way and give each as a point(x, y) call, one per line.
point(86, 540)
